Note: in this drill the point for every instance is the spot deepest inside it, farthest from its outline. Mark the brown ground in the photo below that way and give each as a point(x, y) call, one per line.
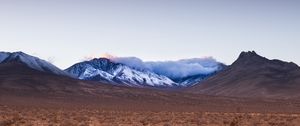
point(20, 111)
point(38, 116)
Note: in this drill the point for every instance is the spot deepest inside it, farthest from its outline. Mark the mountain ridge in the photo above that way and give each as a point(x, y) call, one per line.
point(32, 62)
point(252, 58)
point(104, 70)
point(252, 75)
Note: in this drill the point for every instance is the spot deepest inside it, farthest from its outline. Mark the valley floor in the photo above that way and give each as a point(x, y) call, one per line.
point(42, 116)
point(144, 108)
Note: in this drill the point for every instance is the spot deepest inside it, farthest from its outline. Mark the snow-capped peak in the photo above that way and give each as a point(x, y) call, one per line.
point(104, 70)
point(31, 61)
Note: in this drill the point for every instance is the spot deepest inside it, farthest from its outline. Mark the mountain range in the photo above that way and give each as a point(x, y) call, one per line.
point(106, 71)
point(251, 75)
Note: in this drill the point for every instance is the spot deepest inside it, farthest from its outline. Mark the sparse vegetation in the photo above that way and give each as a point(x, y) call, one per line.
point(34, 116)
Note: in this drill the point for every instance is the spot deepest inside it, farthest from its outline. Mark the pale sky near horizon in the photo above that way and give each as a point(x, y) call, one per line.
point(66, 31)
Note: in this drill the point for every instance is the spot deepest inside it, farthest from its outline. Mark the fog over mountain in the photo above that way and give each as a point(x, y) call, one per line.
point(173, 69)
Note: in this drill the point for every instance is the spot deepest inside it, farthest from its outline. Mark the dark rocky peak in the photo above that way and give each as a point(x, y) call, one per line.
point(103, 63)
point(250, 58)
point(250, 55)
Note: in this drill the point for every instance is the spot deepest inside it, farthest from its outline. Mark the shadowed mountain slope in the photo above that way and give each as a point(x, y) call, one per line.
point(252, 75)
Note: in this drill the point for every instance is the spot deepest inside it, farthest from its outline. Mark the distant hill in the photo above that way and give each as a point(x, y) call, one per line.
point(252, 75)
point(31, 62)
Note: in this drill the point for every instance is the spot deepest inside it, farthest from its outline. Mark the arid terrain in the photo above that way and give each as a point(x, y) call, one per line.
point(40, 116)
point(204, 111)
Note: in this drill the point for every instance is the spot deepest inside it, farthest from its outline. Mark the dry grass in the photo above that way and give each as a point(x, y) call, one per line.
point(29, 116)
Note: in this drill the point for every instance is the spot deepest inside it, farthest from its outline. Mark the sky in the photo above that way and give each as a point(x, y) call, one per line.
point(68, 31)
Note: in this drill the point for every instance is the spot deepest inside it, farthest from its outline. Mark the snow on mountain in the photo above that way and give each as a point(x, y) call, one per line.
point(3, 56)
point(31, 61)
point(185, 72)
point(111, 71)
point(104, 70)
point(173, 69)
point(91, 72)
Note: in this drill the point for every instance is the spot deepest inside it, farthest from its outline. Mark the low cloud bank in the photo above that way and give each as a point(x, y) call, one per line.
point(173, 69)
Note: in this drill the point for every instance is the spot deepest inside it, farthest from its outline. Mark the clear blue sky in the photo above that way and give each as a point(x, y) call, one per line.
point(66, 31)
